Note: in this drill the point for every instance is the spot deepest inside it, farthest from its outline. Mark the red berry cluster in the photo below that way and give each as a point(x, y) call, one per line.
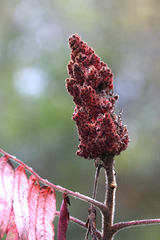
point(91, 85)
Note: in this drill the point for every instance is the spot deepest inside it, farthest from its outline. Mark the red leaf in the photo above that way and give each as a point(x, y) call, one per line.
point(12, 233)
point(6, 192)
point(63, 218)
point(45, 214)
point(20, 203)
point(33, 194)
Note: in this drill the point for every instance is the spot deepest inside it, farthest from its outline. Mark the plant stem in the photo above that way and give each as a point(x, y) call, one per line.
point(75, 220)
point(135, 223)
point(56, 187)
point(108, 215)
point(91, 222)
point(96, 181)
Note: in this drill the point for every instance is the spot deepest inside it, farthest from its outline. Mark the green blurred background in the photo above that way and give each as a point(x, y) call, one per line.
point(36, 110)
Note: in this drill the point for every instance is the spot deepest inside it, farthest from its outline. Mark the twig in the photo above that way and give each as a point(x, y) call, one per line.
point(98, 168)
point(75, 220)
point(91, 209)
point(135, 223)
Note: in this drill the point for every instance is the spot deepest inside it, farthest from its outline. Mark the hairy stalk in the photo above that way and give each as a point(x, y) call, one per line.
point(108, 215)
point(57, 187)
point(135, 223)
point(90, 221)
point(98, 168)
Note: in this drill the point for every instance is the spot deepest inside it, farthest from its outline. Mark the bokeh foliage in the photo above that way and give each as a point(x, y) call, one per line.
point(36, 110)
